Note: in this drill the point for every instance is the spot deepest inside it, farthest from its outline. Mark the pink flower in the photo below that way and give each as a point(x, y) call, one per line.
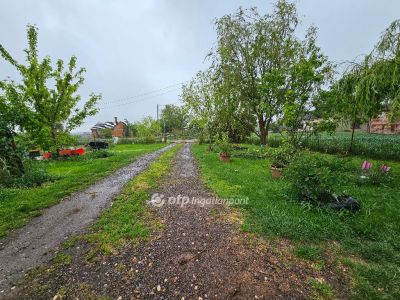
point(385, 168)
point(366, 165)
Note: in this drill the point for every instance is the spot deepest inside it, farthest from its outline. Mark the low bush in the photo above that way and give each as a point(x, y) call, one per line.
point(316, 179)
point(311, 178)
point(282, 156)
point(34, 175)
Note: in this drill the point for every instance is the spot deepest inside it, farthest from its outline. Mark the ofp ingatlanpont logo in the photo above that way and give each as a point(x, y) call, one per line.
point(157, 200)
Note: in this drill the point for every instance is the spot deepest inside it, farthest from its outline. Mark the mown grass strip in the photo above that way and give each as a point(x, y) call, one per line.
point(129, 219)
point(18, 206)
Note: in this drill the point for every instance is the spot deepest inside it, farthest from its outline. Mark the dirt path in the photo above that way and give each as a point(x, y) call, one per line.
point(29, 246)
point(200, 254)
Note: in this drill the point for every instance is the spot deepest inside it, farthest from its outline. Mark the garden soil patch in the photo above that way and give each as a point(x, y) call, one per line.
point(199, 254)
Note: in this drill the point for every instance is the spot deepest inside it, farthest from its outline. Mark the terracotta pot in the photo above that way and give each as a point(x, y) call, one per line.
point(276, 172)
point(224, 157)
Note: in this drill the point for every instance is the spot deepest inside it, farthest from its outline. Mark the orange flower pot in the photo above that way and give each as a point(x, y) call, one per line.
point(224, 157)
point(276, 172)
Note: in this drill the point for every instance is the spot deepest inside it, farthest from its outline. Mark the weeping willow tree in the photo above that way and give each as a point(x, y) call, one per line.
point(356, 99)
point(386, 69)
point(368, 88)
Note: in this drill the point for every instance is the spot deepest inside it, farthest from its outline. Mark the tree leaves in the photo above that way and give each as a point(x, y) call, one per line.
point(47, 96)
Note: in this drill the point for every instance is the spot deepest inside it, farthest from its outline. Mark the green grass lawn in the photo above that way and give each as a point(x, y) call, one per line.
point(18, 206)
point(367, 242)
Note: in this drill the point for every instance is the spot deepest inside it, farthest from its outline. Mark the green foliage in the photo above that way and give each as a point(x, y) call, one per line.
point(147, 130)
point(35, 175)
point(105, 133)
point(282, 156)
point(377, 177)
point(223, 144)
point(369, 145)
point(311, 178)
point(322, 290)
point(173, 118)
point(308, 252)
point(13, 114)
point(377, 146)
point(385, 69)
point(260, 71)
point(47, 96)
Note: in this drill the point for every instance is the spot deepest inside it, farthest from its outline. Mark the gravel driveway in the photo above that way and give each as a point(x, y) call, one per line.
point(199, 254)
point(30, 246)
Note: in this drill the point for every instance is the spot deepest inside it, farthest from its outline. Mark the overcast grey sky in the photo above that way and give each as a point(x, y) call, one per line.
point(131, 48)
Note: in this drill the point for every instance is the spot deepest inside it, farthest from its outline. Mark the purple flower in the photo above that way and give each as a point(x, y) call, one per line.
point(385, 168)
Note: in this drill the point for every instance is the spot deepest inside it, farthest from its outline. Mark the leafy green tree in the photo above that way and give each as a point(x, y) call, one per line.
point(14, 114)
point(173, 117)
point(268, 70)
point(148, 129)
point(212, 107)
point(307, 75)
point(198, 98)
point(384, 77)
point(350, 103)
point(51, 95)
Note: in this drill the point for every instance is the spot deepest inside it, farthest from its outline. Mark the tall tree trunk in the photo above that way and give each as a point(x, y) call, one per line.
point(16, 161)
point(352, 137)
point(54, 139)
point(369, 125)
point(263, 130)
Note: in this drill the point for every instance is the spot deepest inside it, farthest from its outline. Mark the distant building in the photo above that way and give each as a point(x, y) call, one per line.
point(382, 125)
point(118, 129)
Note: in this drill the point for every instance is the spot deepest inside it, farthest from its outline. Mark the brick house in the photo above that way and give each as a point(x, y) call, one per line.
point(118, 128)
point(382, 125)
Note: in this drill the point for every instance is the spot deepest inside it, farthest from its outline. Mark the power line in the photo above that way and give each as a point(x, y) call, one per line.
point(140, 100)
point(172, 87)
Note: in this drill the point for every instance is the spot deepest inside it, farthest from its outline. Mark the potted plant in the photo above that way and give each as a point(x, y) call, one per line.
point(224, 147)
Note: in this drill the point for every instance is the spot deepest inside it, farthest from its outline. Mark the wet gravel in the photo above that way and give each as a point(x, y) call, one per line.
point(33, 244)
point(199, 254)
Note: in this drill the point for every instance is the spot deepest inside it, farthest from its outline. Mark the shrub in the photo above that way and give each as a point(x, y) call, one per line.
point(35, 175)
point(282, 156)
point(311, 178)
point(223, 144)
